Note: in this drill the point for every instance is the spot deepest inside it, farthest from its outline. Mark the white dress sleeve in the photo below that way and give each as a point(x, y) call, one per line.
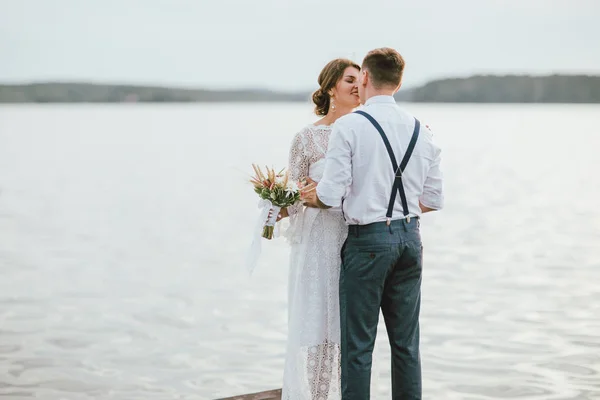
point(298, 165)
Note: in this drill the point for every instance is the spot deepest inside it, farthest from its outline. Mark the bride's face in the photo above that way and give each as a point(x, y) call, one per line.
point(346, 90)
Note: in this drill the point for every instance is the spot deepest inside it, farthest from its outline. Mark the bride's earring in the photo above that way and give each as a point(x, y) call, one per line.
point(332, 105)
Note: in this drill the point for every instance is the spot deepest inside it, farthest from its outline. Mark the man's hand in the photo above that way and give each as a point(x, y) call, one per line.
point(425, 209)
point(308, 193)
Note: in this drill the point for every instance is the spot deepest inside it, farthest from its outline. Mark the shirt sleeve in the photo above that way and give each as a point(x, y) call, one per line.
point(337, 176)
point(433, 195)
point(298, 163)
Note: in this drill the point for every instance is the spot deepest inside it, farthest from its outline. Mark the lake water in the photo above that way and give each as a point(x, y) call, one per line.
point(123, 230)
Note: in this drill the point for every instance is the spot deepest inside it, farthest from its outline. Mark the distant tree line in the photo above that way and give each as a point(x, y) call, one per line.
point(475, 89)
point(512, 89)
point(58, 92)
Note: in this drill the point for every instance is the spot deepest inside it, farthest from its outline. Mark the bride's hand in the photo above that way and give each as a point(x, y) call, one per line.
point(283, 213)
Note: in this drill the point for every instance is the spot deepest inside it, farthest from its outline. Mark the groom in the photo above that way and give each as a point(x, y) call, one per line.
point(383, 168)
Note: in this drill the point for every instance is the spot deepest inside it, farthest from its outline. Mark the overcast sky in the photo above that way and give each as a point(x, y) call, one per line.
point(283, 44)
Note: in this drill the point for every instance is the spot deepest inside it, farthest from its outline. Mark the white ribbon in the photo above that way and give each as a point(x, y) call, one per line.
point(255, 247)
point(273, 218)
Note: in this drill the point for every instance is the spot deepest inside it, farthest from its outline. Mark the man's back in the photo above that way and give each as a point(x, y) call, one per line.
point(366, 172)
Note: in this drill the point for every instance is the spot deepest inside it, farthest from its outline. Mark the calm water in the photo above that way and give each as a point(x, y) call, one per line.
point(123, 231)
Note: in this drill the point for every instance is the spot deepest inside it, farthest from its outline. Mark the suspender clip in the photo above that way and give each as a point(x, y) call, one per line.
point(399, 173)
point(388, 221)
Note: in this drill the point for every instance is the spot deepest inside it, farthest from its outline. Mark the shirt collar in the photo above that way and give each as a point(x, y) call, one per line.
point(381, 99)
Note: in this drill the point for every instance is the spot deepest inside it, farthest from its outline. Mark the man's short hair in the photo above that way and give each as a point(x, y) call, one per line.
point(385, 66)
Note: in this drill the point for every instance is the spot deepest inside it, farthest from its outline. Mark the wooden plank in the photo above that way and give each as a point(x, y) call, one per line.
point(268, 395)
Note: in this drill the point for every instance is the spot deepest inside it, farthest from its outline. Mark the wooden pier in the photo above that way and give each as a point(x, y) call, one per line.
point(268, 395)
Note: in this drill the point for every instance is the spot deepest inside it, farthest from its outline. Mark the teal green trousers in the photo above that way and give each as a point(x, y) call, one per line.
point(381, 269)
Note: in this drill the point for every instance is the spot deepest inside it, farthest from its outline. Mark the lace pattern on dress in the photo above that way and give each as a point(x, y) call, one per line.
point(312, 363)
point(308, 146)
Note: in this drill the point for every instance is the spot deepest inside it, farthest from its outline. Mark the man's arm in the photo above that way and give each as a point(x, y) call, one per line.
point(338, 172)
point(432, 198)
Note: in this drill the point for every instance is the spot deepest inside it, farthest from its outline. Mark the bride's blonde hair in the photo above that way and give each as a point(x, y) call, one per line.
point(329, 77)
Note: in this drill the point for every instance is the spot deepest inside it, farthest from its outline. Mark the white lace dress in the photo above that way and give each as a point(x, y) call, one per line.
point(312, 362)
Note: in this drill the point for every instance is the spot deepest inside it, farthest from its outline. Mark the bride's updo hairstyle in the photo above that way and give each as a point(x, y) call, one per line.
point(331, 74)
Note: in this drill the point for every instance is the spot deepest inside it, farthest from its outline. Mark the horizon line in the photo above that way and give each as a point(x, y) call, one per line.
point(93, 82)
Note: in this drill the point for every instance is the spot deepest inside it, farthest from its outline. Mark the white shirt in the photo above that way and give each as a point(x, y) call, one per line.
point(358, 169)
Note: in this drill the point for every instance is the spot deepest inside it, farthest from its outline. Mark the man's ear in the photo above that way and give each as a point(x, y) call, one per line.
point(365, 78)
point(398, 88)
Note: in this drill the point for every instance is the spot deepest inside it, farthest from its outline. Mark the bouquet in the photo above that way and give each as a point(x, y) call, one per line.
point(276, 191)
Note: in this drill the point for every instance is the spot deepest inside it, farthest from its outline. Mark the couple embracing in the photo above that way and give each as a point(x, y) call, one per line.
point(356, 246)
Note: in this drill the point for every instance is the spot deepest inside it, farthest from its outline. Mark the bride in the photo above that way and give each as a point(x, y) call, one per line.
point(312, 361)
